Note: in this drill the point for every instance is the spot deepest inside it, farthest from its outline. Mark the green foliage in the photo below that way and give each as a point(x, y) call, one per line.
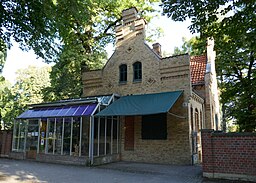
point(5, 101)
point(72, 34)
point(85, 28)
point(232, 24)
point(3, 54)
point(66, 75)
point(27, 90)
point(31, 24)
point(194, 46)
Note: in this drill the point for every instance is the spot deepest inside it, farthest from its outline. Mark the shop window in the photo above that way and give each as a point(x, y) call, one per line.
point(105, 135)
point(154, 127)
point(76, 136)
point(137, 71)
point(58, 141)
point(50, 136)
point(101, 129)
point(123, 73)
point(19, 136)
point(67, 136)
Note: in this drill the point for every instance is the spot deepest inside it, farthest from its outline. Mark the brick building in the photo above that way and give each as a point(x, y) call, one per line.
point(136, 71)
point(139, 107)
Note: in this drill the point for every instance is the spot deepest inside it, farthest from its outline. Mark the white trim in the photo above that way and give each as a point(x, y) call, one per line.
point(46, 136)
point(95, 109)
point(54, 135)
point(71, 137)
point(62, 135)
point(39, 134)
point(111, 138)
point(105, 137)
point(81, 133)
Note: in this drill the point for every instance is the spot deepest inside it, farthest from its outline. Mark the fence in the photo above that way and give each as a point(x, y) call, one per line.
point(5, 143)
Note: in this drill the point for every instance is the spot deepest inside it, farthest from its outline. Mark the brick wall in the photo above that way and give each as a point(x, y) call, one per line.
point(229, 155)
point(5, 143)
point(174, 150)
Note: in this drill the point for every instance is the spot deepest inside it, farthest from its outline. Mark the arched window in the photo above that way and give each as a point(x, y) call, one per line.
point(192, 119)
point(197, 127)
point(137, 71)
point(123, 73)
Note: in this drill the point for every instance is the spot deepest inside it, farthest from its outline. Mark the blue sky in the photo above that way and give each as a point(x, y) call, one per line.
point(172, 36)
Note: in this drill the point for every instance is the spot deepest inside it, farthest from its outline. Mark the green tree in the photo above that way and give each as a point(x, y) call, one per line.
point(232, 24)
point(194, 46)
point(5, 105)
point(3, 55)
point(46, 26)
point(27, 90)
point(31, 24)
point(85, 29)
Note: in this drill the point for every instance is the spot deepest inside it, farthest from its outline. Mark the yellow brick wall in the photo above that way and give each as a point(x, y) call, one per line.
point(174, 150)
point(158, 75)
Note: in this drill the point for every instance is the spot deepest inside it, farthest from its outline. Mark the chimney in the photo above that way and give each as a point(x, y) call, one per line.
point(211, 54)
point(157, 49)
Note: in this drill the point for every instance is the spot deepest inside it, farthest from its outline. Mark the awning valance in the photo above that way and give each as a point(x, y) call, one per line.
point(62, 111)
point(146, 104)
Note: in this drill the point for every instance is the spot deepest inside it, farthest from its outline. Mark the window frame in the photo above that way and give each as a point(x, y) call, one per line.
point(137, 71)
point(123, 73)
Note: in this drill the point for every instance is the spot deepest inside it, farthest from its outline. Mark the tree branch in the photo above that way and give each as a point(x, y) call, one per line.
point(250, 65)
point(107, 29)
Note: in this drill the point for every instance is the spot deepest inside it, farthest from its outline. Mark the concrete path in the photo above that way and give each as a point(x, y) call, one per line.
point(20, 171)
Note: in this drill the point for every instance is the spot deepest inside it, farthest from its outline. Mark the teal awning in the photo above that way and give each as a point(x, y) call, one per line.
point(146, 104)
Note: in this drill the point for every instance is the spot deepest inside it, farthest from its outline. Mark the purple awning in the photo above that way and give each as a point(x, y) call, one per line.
point(63, 111)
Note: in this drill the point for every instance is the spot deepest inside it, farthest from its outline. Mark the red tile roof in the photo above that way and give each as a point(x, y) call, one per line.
point(198, 68)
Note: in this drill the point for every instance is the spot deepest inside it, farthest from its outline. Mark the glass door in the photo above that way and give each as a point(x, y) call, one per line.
point(32, 139)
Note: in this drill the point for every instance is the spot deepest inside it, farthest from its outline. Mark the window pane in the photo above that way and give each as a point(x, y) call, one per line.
point(16, 134)
point(32, 135)
point(58, 140)
point(85, 136)
point(154, 127)
point(123, 73)
point(67, 135)
point(137, 71)
point(43, 127)
point(115, 134)
point(50, 135)
point(76, 137)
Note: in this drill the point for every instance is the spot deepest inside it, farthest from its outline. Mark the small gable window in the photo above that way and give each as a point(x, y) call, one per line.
point(122, 73)
point(137, 71)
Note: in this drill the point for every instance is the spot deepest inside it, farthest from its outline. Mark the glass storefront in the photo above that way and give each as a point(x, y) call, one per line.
point(106, 136)
point(66, 136)
point(67, 130)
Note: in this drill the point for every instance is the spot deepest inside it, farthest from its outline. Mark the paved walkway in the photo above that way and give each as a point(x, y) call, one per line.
point(19, 171)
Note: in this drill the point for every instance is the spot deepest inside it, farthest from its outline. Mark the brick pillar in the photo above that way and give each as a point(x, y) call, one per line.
point(207, 151)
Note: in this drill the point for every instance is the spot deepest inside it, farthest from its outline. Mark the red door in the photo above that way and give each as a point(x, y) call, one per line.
point(129, 133)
